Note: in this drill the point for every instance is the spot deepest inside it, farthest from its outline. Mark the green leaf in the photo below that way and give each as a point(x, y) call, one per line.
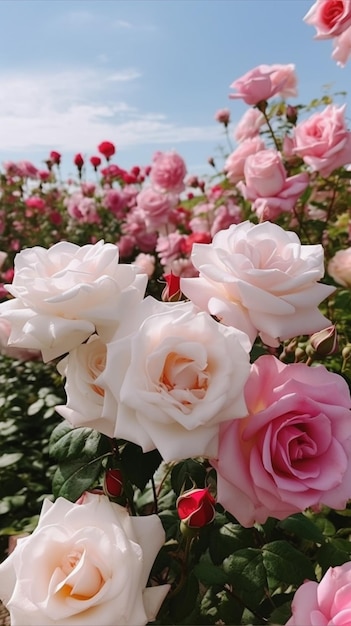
point(286, 564)
point(209, 574)
point(138, 466)
point(76, 443)
point(183, 604)
point(334, 552)
point(302, 527)
point(10, 459)
point(36, 407)
point(186, 474)
point(247, 574)
point(224, 540)
point(71, 479)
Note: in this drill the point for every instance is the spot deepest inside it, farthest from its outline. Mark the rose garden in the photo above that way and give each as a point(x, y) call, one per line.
point(175, 427)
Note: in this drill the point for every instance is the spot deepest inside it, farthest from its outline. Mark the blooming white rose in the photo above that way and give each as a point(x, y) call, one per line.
point(85, 564)
point(66, 293)
point(259, 278)
point(174, 379)
point(85, 398)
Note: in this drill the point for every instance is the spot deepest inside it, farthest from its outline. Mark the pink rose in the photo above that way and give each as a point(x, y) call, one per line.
point(223, 116)
point(323, 141)
point(339, 267)
point(234, 165)
point(342, 47)
point(168, 172)
point(249, 125)
point(327, 602)
point(155, 207)
point(293, 450)
point(264, 82)
point(260, 279)
point(267, 185)
point(329, 17)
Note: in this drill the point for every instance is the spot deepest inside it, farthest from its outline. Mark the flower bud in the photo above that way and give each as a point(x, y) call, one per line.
point(171, 292)
point(113, 483)
point(196, 508)
point(325, 342)
point(291, 114)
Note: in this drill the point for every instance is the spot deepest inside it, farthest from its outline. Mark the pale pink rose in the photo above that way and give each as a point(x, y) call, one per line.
point(135, 226)
point(342, 47)
point(126, 245)
point(326, 602)
point(323, 141)
point(267, 185)
point(234, 165)
point(174, 379)
point(85, 399)
point(146, 263)
point(20, 354)
point(292, 450)
point(82, 208)
point(155, 207)
point(92, 564)
point(264, 82)
point(260, 279)
point(202, 217)
point(183, 267)
point(168, 172)
point(249, 125)
point(329, 17)
point(285, 74)
point(66, 293)
point(339, 267)
point(169, 248)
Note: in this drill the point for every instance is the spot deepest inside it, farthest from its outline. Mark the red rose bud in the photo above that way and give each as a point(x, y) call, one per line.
point(95, 161)
point(55, 157)
point(78, 161)
point(113, 483)
point(171, 292)
point(107, 149)
point(325, 342)
point(196, 508)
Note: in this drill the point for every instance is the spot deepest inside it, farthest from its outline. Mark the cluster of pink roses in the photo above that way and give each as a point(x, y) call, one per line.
point(332, 20)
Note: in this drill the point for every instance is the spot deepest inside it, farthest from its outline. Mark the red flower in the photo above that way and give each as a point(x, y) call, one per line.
point(113, 483)
point(171, 292)
point(196, 507)
point(78, 161)
point(95, 161)
point(55, 157)
point(107, 149)
point(186, 245)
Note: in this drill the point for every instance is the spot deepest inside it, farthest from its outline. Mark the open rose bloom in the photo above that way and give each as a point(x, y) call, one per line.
point(86, 564)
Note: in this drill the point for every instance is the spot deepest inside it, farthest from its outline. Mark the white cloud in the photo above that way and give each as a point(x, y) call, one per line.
point(124, 76)
point(75, 110)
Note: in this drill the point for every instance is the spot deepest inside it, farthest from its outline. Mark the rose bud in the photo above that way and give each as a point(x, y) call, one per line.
point(325, 342)
point(113, 483)
point(78, 161)
point(171, 292)
point(95, 161)
point(196, 508)
point(107, 149)
point(55, 157)
point(291, 114)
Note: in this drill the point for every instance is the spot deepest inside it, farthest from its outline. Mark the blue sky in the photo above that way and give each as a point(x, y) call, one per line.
point(145, 74)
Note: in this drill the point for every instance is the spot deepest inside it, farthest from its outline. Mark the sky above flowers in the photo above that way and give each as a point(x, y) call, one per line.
point(145, 74)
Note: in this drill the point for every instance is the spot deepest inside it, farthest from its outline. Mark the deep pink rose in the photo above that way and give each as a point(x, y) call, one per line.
point(264, 82)
point(293, 450)
point(267, 185)
point(234, 165)
point(323, 141)
point(342, 47)
point(327, 602)
point(168, 172)
point(330, 17)
point(249, 125)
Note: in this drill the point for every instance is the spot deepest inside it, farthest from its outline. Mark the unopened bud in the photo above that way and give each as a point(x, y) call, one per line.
point(171, 292)
point(325, 342)
point(291, 114)
point(113, 483)
point(346, 352)
point(196, 508)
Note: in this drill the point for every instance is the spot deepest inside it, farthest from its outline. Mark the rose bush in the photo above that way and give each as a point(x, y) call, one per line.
point(292, 451)
point(92, 563)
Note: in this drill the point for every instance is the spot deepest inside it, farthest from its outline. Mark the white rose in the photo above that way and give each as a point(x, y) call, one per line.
point(259, 278)
point(66, 293)
point(174, 379)
point(85, 564)
point(85, 398)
